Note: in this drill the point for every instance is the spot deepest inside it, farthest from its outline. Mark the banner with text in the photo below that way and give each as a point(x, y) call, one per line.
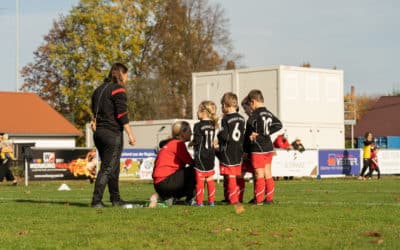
point(339, 162)
point(137, 163)
point(294, 163)
point(61, 164)
point(389, 161)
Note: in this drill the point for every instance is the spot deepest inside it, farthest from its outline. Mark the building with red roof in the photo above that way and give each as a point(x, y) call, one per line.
point(26, 118)
point(382, 119)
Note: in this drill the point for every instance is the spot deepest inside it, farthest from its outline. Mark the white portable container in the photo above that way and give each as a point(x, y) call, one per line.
point(308, 101)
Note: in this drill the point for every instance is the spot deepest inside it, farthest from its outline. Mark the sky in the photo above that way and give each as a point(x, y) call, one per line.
point(360, 37)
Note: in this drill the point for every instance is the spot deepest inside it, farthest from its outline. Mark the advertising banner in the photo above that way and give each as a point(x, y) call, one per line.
point(294, 163)
point(389, 161)
point(137, 163)
point(339, 162)
point(62, 164)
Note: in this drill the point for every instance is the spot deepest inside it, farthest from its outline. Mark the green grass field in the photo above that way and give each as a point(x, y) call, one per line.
point(308, 214)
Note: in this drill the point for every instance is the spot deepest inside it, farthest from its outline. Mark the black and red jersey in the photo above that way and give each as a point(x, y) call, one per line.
point(172, 156)
point(203, 145)
point(230, 139)
point(264, 123)
point(374, 160)
point(109, 106)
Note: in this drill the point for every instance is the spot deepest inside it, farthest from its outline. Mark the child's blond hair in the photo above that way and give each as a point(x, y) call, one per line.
point(256, 94)
point(230, 100)
point(211, 109)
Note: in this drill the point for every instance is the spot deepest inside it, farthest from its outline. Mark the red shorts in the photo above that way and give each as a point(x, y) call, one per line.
point(246, 166)
point(260, 160)
point(231, 170)
point(201, 174)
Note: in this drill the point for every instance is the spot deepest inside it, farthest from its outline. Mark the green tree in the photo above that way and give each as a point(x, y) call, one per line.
point(188, 36)
point(161, 41)
point(79, 49)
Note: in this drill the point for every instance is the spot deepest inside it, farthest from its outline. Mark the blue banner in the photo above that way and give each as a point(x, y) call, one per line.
point(339, 162)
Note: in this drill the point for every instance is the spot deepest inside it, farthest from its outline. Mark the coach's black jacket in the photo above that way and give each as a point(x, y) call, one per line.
point(109, 99)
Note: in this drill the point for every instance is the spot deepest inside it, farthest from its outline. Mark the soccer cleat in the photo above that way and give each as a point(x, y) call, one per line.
point(98, 205)
point(191, 202)
point(169, 202)
point(258, 203)
point(198, 205)
point(211, 204)
point(268, 202)
point(119, 203)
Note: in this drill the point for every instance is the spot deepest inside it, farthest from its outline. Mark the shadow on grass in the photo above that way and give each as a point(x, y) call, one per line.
point(76, 204)
point(65, 203)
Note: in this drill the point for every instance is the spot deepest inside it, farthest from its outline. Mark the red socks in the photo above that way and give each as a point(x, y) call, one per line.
point(241, 185)
point(211, 190)
point(199, 190)
point(259, 190)
point(270, 189)
point(233, 190)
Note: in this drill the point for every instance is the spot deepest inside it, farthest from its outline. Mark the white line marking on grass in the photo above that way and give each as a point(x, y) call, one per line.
point(340, 203)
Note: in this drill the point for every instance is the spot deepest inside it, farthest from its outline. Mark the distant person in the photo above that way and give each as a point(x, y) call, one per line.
point(368, 145)
point(282, 142)
point(230, 139)
point(7, 155)
point(109, 106)
point(204, 151)
point(297, 145)
point(262, 124)
point(374, 166)
point(173, 173)
point(7, 151)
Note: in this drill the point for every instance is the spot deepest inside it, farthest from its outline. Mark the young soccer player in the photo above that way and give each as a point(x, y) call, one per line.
point(204, 152)
point(246, 163)
point(230, 139)
point(262, 123)
point(374, 166)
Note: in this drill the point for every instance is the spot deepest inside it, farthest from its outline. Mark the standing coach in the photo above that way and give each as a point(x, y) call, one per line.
point(109, 107)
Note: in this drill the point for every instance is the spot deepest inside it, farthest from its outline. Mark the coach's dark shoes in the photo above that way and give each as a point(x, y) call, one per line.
point(119, 203)
point(98, 205)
